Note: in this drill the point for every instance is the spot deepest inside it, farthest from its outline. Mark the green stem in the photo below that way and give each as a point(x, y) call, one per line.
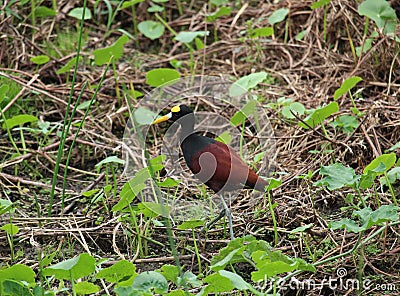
point(196, 249)
point(390, 188)
point(10, 137)
point(117, 90)
point(21, 133)
point(241, 140)
point(165, 24)
point(178, 3)
point(80, 126)
point(33, 15)
point(64, 131)
point(391, 69)
point(271, 210)
point(137, 230)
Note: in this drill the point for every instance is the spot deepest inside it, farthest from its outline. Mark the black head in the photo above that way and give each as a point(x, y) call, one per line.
point(177, 113)
point(180, 111)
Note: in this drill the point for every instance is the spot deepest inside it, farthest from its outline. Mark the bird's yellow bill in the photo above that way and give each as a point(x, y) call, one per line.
point(162, 118)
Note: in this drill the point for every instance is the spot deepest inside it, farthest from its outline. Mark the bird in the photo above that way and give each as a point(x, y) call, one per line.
point(214, 163)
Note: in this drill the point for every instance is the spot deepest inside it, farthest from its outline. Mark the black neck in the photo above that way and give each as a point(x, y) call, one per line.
point(187, 125)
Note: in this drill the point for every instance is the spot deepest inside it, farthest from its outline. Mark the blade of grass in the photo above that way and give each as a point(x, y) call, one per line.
point(81, 125)
point(65, 128)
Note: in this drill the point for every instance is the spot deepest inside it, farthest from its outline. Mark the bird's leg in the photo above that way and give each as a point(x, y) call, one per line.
point(229, 216)
point(225, 212)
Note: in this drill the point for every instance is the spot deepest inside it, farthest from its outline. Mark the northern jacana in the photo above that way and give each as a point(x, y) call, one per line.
point(214, 163)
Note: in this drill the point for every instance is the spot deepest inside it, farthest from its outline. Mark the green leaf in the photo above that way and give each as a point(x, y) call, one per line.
point(90, 193)
point(156, 163)
point(191, 224)
point(110, 159)
point(346, 86)
point(381, 164)
point(244, 84)
point(217, 283)
point(320, 3)
point(155, 8)
point(152, 209)
point(367, 180)
point(222, 263)
point(300, 35)
point(137, 94)
point(234, 251)
point(271, 263)
point(393, 175)
point(120, 271)
point(176, 64)
point(187, 37)
point(127, 4)
point(385, 213)
point(225, 138)
point(236, 280)
point(161, 76)
point(40, 59)
point(199, 43)
point(381, 13)
point(19, 120)
point(150, 29)
point(319, 115)
point(5, 206)
point(368, 218)
point(220, 2)
point(270, 269)
point(84, 105)
point(337, 176)
point(144, 115)
point(77, 267)
point(259, 156)
point(347, 224)
point(131, 189)
point(43, 11)
point(103, 55)
point(295, 107)
point(278, 16)
point(18, 272)
point(261, 32)
point(365, 48)
point(68, 66)
point(189, 278)
point(170, 272)
point(3, 91)
point(240, 116)
point(86, 288)
point(10, 228)
point(179, 293)
point(78, 13)
point(273, 183)
point(168, 183)
point(151, 280)
point(222, 11)
point(302, 228)
point(394, 147)
point(347, 123)
point(12, 287)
